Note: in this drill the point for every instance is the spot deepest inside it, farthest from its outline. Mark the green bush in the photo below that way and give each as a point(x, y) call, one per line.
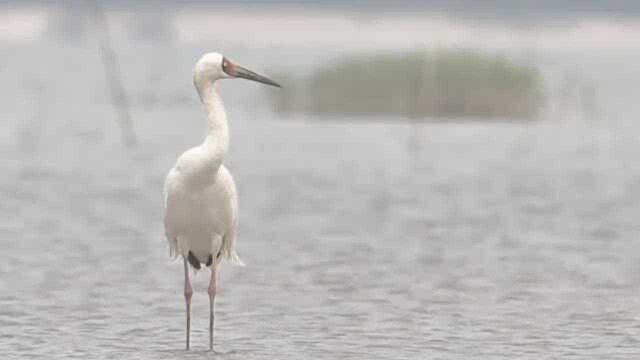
point(418, 84)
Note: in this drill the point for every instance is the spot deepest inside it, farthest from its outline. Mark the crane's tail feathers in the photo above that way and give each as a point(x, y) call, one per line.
point(234, 259)
point(173, 248)
point(229, 249)
point(228, 254)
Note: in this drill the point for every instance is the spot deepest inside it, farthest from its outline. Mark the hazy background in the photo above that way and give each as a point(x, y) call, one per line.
point(402, 231)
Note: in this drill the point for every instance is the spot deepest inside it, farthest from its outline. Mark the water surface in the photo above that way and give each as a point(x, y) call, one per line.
point(381, 239)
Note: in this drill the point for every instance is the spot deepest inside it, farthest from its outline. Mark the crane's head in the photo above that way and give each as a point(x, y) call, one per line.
point(214, 66)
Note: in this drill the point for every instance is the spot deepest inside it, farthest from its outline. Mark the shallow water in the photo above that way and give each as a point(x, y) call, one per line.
point(362, 239)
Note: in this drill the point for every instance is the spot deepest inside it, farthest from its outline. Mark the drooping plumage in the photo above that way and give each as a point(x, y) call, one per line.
point(201, 218)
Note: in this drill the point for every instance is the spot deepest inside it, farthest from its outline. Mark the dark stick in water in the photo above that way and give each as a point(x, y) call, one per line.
point(114, 78)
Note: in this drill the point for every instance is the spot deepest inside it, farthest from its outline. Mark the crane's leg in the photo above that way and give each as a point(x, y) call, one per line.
point(188, 292)
point(213, 285)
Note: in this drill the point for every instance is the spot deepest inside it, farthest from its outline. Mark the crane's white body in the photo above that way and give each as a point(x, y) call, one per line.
point(200, 200)
point(201, 203)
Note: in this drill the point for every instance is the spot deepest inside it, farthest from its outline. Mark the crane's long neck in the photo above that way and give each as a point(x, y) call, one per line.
point(215, 146)
point(217, 139)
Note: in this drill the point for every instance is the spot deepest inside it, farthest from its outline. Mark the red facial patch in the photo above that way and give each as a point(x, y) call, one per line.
point(228, 67)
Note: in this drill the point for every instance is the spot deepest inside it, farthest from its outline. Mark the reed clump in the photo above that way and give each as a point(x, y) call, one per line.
point(437, 84)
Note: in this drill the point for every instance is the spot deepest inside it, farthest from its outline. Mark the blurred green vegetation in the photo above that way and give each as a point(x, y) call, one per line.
point(437, 84)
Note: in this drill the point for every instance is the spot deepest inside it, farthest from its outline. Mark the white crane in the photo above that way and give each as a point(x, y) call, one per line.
point(200, 201)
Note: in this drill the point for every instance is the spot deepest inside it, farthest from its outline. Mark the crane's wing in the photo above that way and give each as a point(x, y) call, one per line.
point(229, 252)
point(169, 182)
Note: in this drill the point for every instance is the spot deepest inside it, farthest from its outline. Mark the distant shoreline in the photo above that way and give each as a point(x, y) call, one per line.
point(496, 10)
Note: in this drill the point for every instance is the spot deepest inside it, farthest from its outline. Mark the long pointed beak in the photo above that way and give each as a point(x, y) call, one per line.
point(250, 75)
